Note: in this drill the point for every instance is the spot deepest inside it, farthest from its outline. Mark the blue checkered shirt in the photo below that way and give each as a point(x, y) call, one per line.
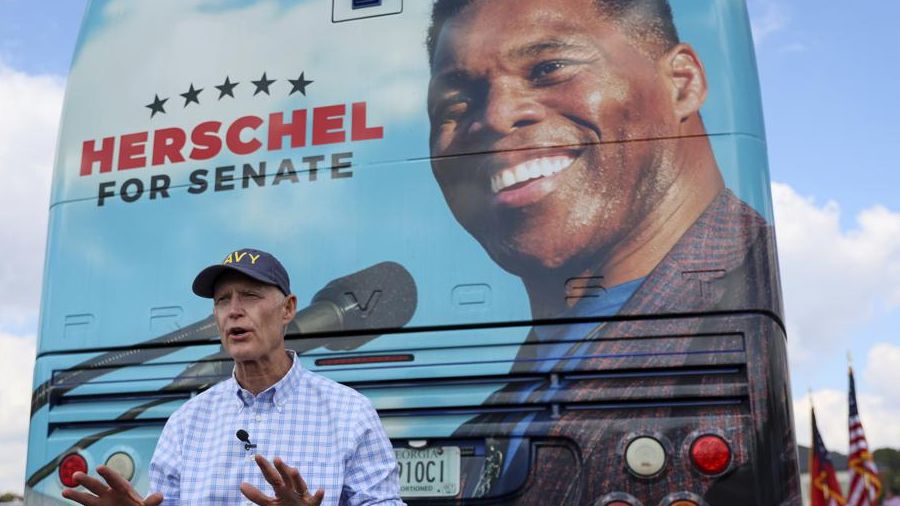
point(328, 431)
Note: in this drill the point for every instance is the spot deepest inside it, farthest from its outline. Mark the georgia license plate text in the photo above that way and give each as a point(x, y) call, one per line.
point(428, 472)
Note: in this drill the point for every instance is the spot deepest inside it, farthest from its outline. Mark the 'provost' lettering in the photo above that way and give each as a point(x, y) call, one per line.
point(242, 136)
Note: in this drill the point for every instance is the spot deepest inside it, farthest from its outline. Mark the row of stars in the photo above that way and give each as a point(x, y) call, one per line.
point(226, 89)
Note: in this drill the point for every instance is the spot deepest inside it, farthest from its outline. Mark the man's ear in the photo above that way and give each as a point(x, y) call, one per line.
point(289, 308)
point(688, 80)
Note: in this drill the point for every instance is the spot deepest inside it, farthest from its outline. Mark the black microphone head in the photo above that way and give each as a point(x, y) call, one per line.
point(379, 297)
point(243, 436)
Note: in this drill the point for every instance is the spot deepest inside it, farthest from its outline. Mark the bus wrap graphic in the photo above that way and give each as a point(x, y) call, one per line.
point(170, 147)
point(537, 235)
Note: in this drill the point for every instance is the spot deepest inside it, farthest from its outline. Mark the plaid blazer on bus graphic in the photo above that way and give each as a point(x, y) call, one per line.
point(724, 268)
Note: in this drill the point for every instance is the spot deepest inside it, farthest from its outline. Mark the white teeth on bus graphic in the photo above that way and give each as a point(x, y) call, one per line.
point(527, 170)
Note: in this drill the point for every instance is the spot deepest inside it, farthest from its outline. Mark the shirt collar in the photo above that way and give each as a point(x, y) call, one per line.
point(277, 393)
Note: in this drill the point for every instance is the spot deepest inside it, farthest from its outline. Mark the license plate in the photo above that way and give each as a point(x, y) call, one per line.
point(428, 472)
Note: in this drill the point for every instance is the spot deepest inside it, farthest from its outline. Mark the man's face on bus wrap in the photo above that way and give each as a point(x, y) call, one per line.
point(539, 111)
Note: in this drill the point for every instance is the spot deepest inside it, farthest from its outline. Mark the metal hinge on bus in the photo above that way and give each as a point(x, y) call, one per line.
point(347, 10)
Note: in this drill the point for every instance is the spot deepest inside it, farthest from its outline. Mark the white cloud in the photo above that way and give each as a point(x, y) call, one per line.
point(835, 282)
point(28, 126)
point(883, 371)
point(17, 363)
point(879, 415)
point(831, 417)
point(767, 17)
point(851, 276)
point(878, 410)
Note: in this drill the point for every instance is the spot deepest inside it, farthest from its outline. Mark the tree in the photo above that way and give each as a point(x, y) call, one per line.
point(888, 462)
point(11, 497)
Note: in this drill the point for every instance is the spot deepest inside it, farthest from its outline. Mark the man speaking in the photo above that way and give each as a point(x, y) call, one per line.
point(273, 433)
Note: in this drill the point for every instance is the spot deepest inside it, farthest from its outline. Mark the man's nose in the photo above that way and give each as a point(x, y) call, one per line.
point(507, 107)
point(235, 307)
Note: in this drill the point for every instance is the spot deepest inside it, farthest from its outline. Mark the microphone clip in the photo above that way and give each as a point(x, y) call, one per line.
point(244, 437)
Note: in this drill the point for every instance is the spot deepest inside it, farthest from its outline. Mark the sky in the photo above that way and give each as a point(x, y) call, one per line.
point(827, 77)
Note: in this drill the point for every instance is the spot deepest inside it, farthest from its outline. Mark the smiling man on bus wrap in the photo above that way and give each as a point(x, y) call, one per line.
point(567, 139)
point(212, 449)
point(597, 159)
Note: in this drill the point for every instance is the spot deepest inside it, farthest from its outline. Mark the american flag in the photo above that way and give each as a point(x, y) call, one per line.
point(824, 487)
point(865, 486)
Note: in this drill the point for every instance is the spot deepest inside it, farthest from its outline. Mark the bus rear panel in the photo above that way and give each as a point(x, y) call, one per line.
point(312, 129)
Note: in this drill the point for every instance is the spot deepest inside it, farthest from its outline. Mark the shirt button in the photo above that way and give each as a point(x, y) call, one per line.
point(258, 418)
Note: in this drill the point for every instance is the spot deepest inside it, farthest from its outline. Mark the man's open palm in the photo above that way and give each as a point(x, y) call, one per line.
point(115, 492)
point(289, 487)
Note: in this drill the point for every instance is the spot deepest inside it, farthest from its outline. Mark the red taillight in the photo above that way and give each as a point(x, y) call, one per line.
point(365, 359)
point(618, 503)
point(71, 464)
point(711, 454)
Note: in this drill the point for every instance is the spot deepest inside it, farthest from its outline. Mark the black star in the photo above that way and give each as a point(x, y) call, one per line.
point(300, 85)
point(226, 88)
point(191, 95)
point(262, 85)
point(156, 106)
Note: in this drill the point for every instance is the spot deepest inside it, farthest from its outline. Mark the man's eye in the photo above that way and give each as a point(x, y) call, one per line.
point(454, 107)
point(548, 70)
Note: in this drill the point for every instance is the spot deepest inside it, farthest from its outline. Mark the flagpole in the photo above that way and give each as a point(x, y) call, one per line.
point(811, 455)
point(824, 487)
point(865, 485)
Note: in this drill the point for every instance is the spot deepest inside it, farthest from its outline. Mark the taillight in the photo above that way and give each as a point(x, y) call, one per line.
point(682, 499)
point(618, 499)
point(121, 463)
point(710, 454)
point(68, 466)
point(645, 456)
point(365, 359)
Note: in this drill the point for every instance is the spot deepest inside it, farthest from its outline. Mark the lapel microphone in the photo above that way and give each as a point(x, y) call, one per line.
point(245, 438)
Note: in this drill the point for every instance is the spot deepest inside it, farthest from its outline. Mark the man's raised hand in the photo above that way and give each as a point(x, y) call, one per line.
point(115, 492)
point(289, 487)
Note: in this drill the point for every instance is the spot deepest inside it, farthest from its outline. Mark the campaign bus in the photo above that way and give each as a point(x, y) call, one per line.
point(537, 235)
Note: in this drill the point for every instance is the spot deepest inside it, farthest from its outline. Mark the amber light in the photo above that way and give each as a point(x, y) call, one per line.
point(618, 503)
point(369, 359)
point(71, 464)
point(683, 503)
point(711, 454)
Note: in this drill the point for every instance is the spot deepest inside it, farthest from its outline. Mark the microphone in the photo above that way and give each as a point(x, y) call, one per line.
point(243, 436)
point(382, 296)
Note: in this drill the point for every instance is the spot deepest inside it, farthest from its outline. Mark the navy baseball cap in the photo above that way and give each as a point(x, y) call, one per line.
point(254, 263)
